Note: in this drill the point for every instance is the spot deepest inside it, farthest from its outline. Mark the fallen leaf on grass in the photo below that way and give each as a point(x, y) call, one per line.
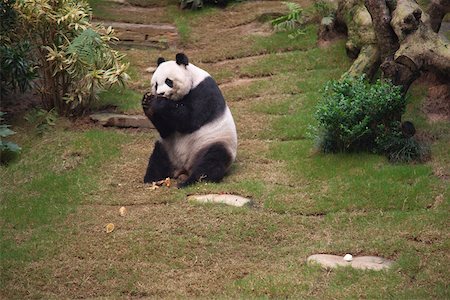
point(158, 184)
point(109, 228)
point(122, 211)
point(167, 182)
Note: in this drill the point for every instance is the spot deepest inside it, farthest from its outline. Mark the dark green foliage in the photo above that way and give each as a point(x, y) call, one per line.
point(7, 15)
point(17, 69)
point(8, 150)
point(197, 4)
point(41, 119)
point(291, 21)
point(355, 115)
point(400, 148)
point(323, 8)
point(192, 4)
point(352, 109)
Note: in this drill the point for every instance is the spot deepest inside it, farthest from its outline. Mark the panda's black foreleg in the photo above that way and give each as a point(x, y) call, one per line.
point(159, 165)
point(210, 165)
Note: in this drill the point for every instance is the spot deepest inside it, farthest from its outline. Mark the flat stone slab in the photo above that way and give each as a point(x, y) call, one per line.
point(153, 35)
point(122, 121)
point(233, 200)
point(329, 261)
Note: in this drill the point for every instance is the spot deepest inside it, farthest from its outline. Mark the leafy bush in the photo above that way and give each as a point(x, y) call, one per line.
point(17, 69)
point(400, 147)
point(75, 58)
point(323, 8)
point(8, 150)
point(291, 21)
point(355, 115)
point(41, 119)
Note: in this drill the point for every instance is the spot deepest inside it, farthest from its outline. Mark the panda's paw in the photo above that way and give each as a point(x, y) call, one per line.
point(146, 101)
point(148, 104)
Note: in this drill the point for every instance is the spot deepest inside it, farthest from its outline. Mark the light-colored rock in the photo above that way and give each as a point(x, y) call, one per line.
point(233, 200)
point(150, 69)
point(123, 121)
point(329, 261)
point(348, 257)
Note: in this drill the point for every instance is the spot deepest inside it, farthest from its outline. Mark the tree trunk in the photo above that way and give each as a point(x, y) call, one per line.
point(405, 43)
point(437, 10)
point(381, 18)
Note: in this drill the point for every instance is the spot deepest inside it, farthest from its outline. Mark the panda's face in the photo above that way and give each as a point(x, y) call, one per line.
point(171, 80)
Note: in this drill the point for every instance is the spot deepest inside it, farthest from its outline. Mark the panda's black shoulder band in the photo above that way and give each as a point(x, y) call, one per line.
point(182, 59)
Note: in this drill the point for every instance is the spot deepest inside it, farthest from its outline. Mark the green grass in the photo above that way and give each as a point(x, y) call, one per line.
point(184, 30)
point(124, 99)
point(53, 175)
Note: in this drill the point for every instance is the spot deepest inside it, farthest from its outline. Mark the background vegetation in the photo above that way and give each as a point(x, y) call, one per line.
point(73, 58)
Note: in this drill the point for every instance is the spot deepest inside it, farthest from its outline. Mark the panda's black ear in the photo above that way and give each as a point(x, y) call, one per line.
point(182, 59)
point(160, 60)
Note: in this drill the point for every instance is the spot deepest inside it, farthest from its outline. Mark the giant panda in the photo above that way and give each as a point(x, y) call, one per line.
point(198, 136)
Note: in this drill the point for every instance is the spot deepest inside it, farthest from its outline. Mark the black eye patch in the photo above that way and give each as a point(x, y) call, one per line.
point(169, 82)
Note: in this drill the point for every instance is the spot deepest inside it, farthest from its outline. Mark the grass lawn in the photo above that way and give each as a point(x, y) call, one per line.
point(69, 183)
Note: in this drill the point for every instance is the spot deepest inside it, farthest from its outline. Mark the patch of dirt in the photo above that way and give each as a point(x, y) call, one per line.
point(330, 40)
point(437, 103)
point(240, 82)
point(237, 61)
point(17, 104)
point(82, 123)
point(121, 12)
point(255, 28)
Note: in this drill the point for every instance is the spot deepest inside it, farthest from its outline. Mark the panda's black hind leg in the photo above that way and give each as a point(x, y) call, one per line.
point(159, 165)
point(210, 165)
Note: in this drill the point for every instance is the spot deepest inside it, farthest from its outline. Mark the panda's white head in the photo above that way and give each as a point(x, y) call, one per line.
point(173, 79)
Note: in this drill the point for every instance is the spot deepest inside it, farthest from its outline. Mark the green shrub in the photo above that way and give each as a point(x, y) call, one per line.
point(400, 148)
point(17, 69)
point(41, 119)
point(323, 8)
point(291, 21)
point(75, 57)
point(8, 150)
point(355, 115)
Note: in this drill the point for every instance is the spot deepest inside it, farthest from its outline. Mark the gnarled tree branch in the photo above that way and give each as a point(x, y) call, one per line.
point(437, 9)
point(381, 18)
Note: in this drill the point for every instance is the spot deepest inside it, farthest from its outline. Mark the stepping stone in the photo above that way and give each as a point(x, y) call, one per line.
point(122, 121)
point(233, 200)
point(329, 261)
point(150, 69)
